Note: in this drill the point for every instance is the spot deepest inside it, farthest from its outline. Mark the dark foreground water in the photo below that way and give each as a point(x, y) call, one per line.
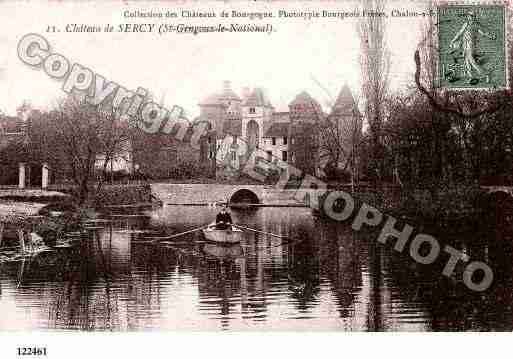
point(326, 278)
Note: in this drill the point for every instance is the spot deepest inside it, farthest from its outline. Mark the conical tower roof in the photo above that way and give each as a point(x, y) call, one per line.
point(303, 98)
point(345, 103)
point(304, 103)
point(228, 94)
point(224, 97)
point(257, 98)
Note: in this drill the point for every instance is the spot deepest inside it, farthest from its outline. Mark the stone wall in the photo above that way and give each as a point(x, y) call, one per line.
point(209, 193)
point(124, 194)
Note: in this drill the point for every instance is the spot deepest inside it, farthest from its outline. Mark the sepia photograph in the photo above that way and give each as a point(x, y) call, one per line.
point(253, 167)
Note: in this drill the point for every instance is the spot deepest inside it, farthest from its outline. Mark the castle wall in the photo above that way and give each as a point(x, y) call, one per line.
point(215, 114)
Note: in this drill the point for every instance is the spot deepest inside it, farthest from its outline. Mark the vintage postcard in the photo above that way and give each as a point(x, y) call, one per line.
point(248, 166)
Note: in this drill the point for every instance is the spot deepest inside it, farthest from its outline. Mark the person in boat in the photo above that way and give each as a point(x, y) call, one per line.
point(223, 219)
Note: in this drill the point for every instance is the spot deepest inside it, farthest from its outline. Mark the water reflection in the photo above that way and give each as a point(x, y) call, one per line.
point(327, 277)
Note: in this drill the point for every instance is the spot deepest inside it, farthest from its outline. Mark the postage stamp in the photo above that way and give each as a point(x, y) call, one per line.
point(472, 47)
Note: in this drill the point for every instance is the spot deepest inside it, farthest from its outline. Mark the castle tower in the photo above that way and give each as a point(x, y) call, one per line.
point(305, 114)
point(232, 102)
point(348, 121)
point(213, 110)
point(305, 108)
point(221, 107)
point(345, 103)
point(256, 114)
point(345, 113)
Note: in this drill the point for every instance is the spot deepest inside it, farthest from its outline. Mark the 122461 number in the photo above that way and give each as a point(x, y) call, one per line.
point(35, 351)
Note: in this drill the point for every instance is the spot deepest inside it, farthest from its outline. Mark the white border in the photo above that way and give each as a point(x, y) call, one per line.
point(259, 345)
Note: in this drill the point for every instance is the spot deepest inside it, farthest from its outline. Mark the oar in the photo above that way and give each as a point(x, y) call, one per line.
point(179, 234)
point(257, 231)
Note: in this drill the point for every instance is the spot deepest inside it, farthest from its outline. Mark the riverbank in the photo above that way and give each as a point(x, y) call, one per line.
point(31, 195)
point(115, 194)
point(49, 213)
point(12, 211)
point(24, 203)
point(448, 209)
point(445, 209)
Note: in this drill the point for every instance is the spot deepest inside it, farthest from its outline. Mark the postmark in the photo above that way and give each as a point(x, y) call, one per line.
point(472, 47)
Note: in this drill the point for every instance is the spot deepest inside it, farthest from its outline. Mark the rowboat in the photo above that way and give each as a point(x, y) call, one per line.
point(222, 236)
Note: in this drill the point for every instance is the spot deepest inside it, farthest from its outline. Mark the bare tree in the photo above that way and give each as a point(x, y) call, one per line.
point(466, 113)
point(375, 64)
point(340, 134)
point(79, 141)
point(440, 124)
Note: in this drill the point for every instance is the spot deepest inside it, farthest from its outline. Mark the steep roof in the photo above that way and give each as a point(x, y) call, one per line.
point(10, 124)
point(278, 129)
point(345, 103)
point(304, 102)
point(257, 98)
point(221, 98)
point(228, 94)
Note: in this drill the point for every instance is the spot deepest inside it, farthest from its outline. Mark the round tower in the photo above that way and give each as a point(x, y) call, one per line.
point(256, 114)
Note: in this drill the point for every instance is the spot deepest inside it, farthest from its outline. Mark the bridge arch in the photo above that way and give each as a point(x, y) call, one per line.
point(243, 196)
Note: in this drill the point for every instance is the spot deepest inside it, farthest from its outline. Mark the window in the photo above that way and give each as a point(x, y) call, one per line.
point(284, 140)
point(210, 154)
point(252, 110)
point(292, 157)
point(284, 156)
point(292, 140)
point(209, 139)
point(269, 155)
point(234, 156)
point(273, 141)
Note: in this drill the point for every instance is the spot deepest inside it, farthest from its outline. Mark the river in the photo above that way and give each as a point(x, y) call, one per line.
point(324, 277)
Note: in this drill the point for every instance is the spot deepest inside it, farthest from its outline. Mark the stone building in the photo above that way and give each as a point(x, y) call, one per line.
point(338, 146)
point(19, 164)
point(276, 139)
point(12, 147)
point(306, 117)
point(241, 123)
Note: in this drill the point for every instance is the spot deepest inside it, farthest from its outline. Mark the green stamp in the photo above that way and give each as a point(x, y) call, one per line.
point(472, 47)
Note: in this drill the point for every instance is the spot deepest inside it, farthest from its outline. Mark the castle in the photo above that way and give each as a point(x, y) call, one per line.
point(293, 137)
point(298, 137)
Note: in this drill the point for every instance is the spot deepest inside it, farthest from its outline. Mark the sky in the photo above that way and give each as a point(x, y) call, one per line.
point(318, 56)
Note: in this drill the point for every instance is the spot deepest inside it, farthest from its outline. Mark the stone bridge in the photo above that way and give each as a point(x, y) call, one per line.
point(204, 194)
